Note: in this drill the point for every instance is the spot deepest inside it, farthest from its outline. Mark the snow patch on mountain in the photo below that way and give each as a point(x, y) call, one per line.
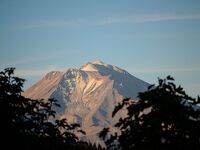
point(88, 95)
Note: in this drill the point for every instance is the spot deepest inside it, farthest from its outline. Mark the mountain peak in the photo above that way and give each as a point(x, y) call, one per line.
point(91, 66)
point(98, 62)
point(88, 95)
point(102, 68)
point(88, 67)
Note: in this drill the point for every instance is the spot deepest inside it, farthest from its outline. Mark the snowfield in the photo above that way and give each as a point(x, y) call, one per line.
point(88, 95)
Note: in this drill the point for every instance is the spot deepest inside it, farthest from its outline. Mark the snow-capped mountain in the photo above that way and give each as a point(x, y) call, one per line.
point(88, 95)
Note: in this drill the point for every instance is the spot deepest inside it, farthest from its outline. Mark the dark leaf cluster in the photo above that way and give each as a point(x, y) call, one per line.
point(163, 118)
point(32, 124)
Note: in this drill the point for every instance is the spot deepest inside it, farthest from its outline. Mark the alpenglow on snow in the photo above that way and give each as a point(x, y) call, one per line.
point(89, 94)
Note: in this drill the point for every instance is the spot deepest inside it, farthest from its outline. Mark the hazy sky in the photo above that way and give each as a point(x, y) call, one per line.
point(148, 38)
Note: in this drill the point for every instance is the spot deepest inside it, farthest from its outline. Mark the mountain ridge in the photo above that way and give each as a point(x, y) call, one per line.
point(89, 94)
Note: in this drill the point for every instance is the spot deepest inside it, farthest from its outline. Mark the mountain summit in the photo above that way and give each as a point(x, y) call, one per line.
point(88, 95)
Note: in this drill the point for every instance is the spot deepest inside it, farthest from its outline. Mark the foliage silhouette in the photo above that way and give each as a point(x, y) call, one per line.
point(31, 124)
point(163, 118)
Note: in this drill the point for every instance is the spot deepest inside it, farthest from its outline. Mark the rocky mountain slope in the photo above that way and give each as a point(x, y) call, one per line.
point(89, 94)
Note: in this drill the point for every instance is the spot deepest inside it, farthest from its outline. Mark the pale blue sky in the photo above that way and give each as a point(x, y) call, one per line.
point(148, 38)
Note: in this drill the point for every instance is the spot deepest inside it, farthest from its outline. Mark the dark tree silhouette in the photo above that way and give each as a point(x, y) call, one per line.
point(163, 118)
point(31, 124)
